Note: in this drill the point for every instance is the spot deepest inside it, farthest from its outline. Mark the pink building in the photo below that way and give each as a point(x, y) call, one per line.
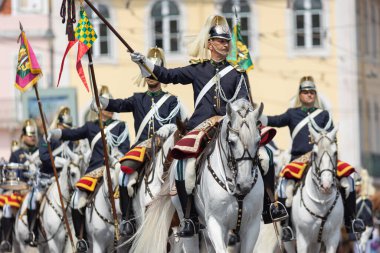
point(46, 35)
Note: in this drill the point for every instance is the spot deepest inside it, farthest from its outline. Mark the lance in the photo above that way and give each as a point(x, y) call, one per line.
point(104, 142)
point(52, 160)
point(130, 49)
point(68, 230)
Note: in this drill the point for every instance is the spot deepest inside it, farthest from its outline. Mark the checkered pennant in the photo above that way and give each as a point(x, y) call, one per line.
point(84, 31)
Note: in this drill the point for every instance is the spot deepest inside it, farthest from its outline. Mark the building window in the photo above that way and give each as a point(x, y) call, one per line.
point(308, 24)
point(29, 6)
point(165, 20)
point(244, 12)
point(101, 48)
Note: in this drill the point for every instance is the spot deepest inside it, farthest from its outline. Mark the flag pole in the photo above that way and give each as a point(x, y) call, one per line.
point(130, 49)
point(105, 150)
point(68, 230)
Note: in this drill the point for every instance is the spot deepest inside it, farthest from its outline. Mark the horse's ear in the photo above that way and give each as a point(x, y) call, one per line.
point(261, 109)
point(332, 133)
point(313, 133)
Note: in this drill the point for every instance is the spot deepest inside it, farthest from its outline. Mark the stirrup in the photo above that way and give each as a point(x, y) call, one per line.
point(124, 228)
point(5, 246)
point(287, 237)
point(282, 213)
point(360, 223)
point(31, 241)
point(82, 246)
point(189, 228)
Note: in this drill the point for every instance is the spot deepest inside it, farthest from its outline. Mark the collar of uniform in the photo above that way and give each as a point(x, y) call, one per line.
point(108, 121)
point(218, 64)
point(310, 110)
point(155, 93)
point(30, 149)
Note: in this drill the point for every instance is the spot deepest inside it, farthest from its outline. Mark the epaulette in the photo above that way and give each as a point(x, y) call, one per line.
point(238, 68)
point(197, 61)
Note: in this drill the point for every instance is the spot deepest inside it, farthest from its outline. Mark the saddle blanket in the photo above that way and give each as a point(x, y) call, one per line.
point(14, 200)
point(294, 170)
point(88, 182)
point(133, 160)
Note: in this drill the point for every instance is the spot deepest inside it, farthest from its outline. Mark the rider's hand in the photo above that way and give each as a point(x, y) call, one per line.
point(103, 104)
point(55, 134)
point(166, 130)
point(140, 59)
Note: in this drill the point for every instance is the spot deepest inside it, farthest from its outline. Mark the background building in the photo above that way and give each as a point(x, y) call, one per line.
point(336, 41)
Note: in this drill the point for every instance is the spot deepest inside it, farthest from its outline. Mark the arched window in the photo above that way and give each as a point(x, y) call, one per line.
point(244, 14)
point(165, 22)
point(101, 48)
point(308, 24)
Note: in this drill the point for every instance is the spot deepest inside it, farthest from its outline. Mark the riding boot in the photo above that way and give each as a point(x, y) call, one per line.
point(33, 228)
point(287, 231)
point(6, 234)
point(276, 211)
point(190, 223)
point(79, 222)
point(126, 226)
point(352, 224)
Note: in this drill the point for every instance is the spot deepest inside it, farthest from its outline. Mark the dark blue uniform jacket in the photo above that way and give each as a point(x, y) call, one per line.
point(88, 131)
point(140, 104)
point(291, 118)
point(47, 168)
point(198, 75)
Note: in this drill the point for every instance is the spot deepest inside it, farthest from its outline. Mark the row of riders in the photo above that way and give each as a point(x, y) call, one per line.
point(216, 84)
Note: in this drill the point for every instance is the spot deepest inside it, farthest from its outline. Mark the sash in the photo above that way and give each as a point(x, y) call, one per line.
point(149, 115)
point(304, 122)
point(98, 135)
point(211, 83)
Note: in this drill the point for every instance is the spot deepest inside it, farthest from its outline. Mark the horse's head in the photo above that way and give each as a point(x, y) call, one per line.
point(242, 135)
point(73, 169)
point(324, 157)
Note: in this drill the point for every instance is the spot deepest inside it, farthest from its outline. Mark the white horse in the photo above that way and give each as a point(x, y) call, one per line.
point(99, 217)
point(229, 195)
point(54, 237)
point(152, 183)
point(317, 213)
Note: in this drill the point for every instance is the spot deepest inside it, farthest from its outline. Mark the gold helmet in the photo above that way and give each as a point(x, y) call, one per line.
point(155, 55)
point(29, 128)
point(105, 92)
point(216, 26)
point(63, 117)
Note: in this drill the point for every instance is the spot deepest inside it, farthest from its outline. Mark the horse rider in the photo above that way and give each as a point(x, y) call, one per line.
point(215, 82)
point(151, 110)
point(118, 143)
point(26, 153)
point(309, 105)
point(61, 120)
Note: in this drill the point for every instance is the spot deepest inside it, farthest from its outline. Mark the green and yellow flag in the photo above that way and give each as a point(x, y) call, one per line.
point(85, 36)
point(239, 54)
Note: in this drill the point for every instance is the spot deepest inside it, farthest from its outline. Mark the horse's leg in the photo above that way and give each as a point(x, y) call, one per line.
point(332, 242)
point(217, 234)
point(249, 237)
point(303, 245)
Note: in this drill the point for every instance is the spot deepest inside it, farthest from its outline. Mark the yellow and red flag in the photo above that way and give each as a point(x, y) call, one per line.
point(28, 70)
point(85, 36)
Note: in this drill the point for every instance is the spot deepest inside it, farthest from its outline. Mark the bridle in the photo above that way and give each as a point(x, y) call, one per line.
point(317, 172)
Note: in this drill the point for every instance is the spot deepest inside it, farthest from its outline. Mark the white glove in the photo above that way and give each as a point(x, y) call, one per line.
point(264, 119)
point(140, 59)
point(166, 130)
point(55, 134)
point(103, 104)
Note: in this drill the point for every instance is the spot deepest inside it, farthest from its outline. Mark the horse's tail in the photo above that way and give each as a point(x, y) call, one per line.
point(152, 236)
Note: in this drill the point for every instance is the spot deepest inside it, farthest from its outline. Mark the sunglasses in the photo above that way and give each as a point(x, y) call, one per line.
point(305, 92)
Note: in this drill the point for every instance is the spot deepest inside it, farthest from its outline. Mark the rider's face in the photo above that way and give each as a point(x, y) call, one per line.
point(219, 47)
point(30, 140)
point(307, 97)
